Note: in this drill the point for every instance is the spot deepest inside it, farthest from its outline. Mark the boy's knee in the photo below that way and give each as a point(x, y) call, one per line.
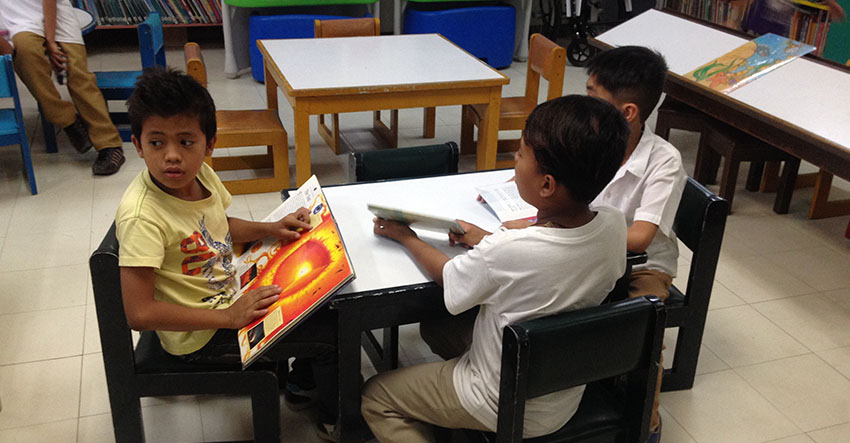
point(369, 399)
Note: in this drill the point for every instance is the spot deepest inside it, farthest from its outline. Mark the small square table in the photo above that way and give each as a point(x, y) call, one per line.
point(351, 74)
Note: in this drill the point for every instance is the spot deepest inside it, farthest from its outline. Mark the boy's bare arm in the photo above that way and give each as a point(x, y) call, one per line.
point(287, 228)
point(146, 313)
point(640, 235)
point(428, 257)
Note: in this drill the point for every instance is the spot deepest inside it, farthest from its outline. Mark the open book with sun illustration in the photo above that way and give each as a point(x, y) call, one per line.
point(309, 271)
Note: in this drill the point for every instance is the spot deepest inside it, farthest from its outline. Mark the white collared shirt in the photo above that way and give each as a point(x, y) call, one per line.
point(28, 15)
point(648, 187)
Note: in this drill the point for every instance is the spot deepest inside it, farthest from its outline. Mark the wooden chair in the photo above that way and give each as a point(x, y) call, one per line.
point(620, 340)
point(12, 130)
point(735, 147)
point(545, 59)
point(149, 371)
point(699, 224)
point(245, 128)
point(358, 27)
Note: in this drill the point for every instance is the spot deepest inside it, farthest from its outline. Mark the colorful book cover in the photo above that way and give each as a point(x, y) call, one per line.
point(747, 62)
point(309, 271)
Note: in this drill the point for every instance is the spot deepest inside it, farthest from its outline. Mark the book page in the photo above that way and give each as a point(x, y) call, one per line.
point(504, 200)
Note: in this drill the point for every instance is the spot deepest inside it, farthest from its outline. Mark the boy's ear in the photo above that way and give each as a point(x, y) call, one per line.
point(549, 186)
point(210, 146)
point(138, 146)
point(631, 112)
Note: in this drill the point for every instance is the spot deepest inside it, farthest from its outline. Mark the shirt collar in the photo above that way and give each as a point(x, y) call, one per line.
point(638, 161)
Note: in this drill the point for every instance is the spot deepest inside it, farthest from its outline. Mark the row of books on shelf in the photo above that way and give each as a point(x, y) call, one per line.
point(728, 13)
point(810, 24)
point(805, 21)
point(131, 12)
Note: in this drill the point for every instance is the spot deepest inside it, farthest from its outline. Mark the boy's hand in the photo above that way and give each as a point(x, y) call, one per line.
point(392, 230)
point(517, 224)
point(473, 235)
point(288, 227)
point(251, 305)
point(57, 58)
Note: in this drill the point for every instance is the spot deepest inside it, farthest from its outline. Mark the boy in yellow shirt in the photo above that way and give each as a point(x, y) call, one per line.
point(176, 241)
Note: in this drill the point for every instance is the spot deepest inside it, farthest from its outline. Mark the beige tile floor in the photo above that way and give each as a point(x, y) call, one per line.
point(774, 365)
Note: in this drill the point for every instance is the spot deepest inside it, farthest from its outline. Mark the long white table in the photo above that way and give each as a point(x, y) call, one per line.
point(801, 107)
point(336, 75)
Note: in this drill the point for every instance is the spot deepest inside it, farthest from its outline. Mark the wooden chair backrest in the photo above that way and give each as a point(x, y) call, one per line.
point(547, 59)
point(195, 63)
point(348, 27)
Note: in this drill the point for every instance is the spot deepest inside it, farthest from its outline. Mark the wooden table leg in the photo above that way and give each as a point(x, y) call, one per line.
point(488, 132)
point(301, 129)
point(271, 89)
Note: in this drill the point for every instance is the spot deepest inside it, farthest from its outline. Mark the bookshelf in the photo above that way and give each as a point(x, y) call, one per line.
point(124, 14)
point(802, 20)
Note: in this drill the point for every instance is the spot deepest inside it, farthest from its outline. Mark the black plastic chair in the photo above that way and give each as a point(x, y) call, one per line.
point(411, 162)
point(699, 224)
point(391, 164)
point(151, 372)
point(614, 349)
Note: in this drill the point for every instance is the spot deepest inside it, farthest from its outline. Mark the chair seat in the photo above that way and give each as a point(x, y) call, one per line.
point(727, 140)
point(512, 108)
point(8, 125)
point(247, 121)
point(117, 79)
point(151, 358)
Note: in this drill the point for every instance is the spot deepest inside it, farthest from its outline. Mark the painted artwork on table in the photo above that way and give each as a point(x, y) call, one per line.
point(747, 62)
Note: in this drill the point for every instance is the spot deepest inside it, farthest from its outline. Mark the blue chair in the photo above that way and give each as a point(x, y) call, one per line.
point(12, 129)
point(119, 85)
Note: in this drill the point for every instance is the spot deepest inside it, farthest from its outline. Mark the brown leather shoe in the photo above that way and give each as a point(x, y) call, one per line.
point(109, 161)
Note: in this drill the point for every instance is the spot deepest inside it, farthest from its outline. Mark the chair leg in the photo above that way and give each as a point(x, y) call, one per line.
point(49, 133)
point(467, 141)
point(786, 186)
point(126, 417)
point(729, 178)
point(26, 160)
point(390, 346)
point(265, 406)
point(681, 374)
point(704, 171)
point(754, 176)
point(429, 123)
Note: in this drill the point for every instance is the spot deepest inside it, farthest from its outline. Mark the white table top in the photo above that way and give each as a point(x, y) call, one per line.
point(381, 263)
point(369, 62)
point(804, 93)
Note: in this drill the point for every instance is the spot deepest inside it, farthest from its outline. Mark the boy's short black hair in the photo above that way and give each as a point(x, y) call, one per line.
point(633, 74)
point(578, 140)
point(166, 92)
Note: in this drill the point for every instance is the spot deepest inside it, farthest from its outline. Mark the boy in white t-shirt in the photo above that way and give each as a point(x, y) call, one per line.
point(569, 259)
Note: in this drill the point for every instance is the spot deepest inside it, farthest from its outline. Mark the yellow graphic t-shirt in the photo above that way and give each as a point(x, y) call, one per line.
point(186, 242)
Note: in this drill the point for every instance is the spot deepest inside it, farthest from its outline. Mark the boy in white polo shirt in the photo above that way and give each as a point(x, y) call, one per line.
point(569, 259)
point(648, 186)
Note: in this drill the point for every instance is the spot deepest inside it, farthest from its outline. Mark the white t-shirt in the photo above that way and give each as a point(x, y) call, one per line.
point(28, 15)
point(648, 187)
point(522, 274)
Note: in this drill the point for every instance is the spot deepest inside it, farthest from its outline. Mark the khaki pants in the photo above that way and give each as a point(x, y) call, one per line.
point(651, 282)
point(402, 405)
point(34, 69)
